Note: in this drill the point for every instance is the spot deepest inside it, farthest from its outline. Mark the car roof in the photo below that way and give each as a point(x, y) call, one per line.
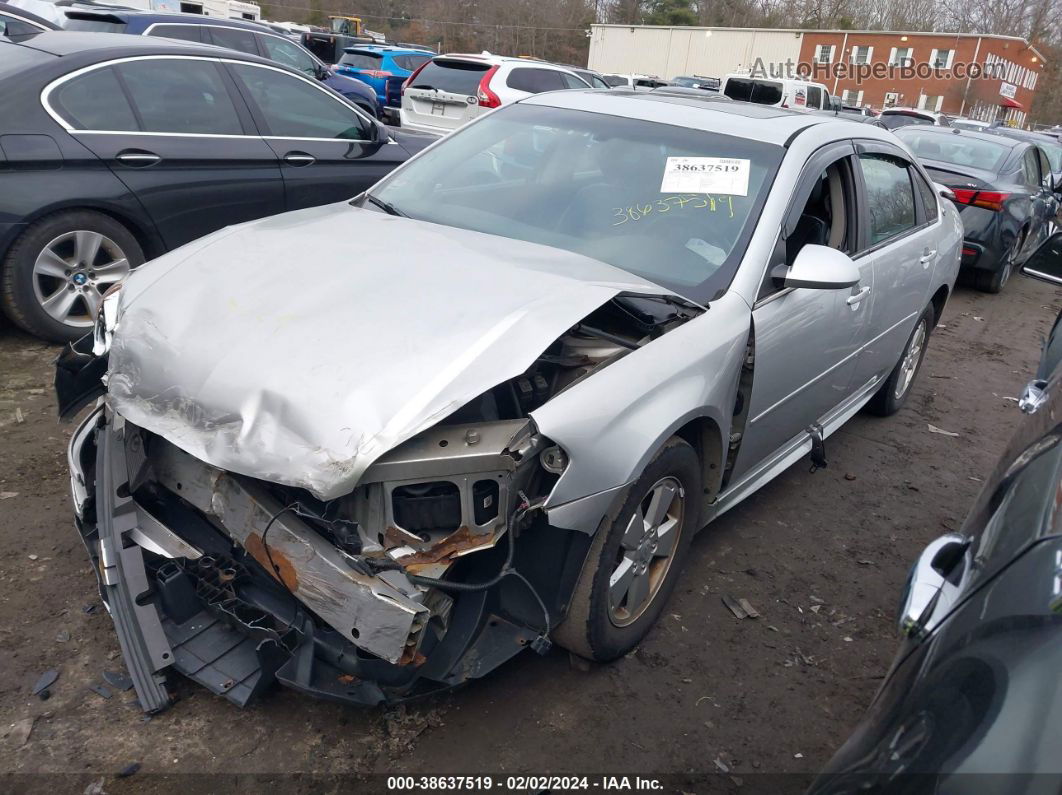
point(388, 48)
point(743, 119)
point(490, 58)
point(172, 17)
point(956, 131)
point(29, 16)
point(64, 43)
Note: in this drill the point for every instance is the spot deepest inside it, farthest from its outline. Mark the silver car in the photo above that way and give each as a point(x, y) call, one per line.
point(570, 336)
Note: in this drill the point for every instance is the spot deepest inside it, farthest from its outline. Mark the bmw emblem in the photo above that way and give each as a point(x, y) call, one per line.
point(80, 279)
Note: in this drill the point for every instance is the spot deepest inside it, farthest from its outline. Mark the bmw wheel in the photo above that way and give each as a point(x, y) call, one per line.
point(56, 272)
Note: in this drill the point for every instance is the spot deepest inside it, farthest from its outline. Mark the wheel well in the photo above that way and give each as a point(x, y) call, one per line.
point(940, 298)
point(149, 243)
point(704, 436)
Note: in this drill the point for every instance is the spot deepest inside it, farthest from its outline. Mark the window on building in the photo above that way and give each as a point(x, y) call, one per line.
point(930, 102)
point(941, 59)
point(824, 53)
point(862, 55)
point(850, 97)
point(901, 56)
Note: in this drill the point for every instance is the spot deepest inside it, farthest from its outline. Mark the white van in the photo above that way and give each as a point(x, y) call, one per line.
point(781, 93)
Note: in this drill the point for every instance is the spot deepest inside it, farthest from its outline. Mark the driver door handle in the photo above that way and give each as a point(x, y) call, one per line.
point(137, 158)
point(299, 159)
point(852, 300)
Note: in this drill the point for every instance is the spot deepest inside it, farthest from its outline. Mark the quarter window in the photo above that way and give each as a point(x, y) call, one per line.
point(289, 54)
point(929, 198)
point(890, 196)
point(293, 108)
point(1030, 168)
point(180, 96)
point(94, 101)
point(182, 32)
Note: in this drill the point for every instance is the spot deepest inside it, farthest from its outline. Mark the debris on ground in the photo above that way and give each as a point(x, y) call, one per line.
point(44, 681)
point(721, 765)
point(90, 608)
point(95, 788)
point(62, 636)
point(33, 557)
point(7, 495)
point(100, 690)
point(849, 476)
point(128, 770)
point(19, 417)
point(19, 732)
point(117, 680)
point(741, 608)
point(941, 431)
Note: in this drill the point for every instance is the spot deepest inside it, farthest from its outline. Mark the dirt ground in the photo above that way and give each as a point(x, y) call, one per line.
point(821, 556)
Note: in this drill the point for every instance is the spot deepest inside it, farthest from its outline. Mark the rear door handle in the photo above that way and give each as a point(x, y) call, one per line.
point(137, 158)
point(299, 159)
point(927, 256)
point(852, 300)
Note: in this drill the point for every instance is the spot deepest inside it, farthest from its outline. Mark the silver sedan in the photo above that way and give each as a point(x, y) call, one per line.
point(487, 404)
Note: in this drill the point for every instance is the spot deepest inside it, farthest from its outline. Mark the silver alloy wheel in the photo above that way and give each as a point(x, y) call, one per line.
point(646, 551)
point(911, 357)
point(73, 271)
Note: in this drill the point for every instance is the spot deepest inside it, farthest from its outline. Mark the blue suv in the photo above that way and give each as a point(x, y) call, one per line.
point(384, 68)
point(248, 37)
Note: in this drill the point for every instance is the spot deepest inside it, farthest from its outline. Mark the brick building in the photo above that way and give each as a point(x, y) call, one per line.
point(938, 71)
point(984, 77)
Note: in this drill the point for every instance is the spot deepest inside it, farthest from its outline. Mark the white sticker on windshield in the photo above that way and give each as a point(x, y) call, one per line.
point(726, 175)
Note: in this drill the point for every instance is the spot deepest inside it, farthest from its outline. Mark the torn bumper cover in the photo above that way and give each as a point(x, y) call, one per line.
point(238, 583)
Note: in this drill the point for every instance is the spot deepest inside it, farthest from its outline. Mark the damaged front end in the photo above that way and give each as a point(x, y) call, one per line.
point(437, 567)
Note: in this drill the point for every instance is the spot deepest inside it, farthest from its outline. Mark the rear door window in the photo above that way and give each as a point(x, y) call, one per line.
point(94, 101)
point(1030, 168)
point(234, 39)
point(535, 81)
point(453, 77)
point(182, 32)
point(890, 196)
point(180, 96)
point(929, 197)
point(293, 108)
point(815, 97)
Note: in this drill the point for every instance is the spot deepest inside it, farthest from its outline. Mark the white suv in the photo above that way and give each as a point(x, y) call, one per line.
point(451, 90)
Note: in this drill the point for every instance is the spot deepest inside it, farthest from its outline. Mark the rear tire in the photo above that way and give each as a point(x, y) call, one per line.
point(55, 272)
point(631, 568)
point(994, 281)
point(898, 386)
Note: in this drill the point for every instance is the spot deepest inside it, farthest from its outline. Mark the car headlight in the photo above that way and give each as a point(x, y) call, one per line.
point(106, 320)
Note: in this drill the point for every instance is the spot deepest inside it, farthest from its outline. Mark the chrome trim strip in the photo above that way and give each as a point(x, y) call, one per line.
point(48, 89)
point(213, 135)
point(9, 13)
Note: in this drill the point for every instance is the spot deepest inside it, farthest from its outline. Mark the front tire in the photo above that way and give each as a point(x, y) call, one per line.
point(635, 560)
point(897, 387)
point(56, 272)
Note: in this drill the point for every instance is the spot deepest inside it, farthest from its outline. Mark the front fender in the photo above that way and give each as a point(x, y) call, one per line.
point(612, 423)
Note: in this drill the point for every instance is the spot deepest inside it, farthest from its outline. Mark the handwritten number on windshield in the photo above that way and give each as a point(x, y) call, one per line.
point(637, 212)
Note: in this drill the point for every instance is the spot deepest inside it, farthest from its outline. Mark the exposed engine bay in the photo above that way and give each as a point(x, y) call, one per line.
point(437, 567)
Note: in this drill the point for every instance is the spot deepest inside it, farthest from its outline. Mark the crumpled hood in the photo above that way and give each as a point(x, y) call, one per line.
point(299, 348)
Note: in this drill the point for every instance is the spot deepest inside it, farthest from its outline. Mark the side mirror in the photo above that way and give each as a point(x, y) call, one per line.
point(1046, 262)
point(944, 191)
point(929, 592)
point(819, 268)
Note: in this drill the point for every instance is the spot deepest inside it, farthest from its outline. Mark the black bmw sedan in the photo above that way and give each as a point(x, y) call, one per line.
point(115, 149)
point(973, 701)
point(1004, 192)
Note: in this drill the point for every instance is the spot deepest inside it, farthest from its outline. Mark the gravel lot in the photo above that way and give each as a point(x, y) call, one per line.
point(822, 557)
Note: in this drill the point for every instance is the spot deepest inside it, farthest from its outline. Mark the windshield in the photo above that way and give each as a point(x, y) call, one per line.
point(453, 77)
point(672, 204)
point(95, 24)
point(958, 150)
point(615, 80)
point(361, 60)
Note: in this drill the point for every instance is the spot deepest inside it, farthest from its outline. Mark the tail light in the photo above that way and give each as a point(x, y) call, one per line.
point(376, 73)
point(416, 72)
point(985, 199)
point(486, 97)
point(969, 252)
